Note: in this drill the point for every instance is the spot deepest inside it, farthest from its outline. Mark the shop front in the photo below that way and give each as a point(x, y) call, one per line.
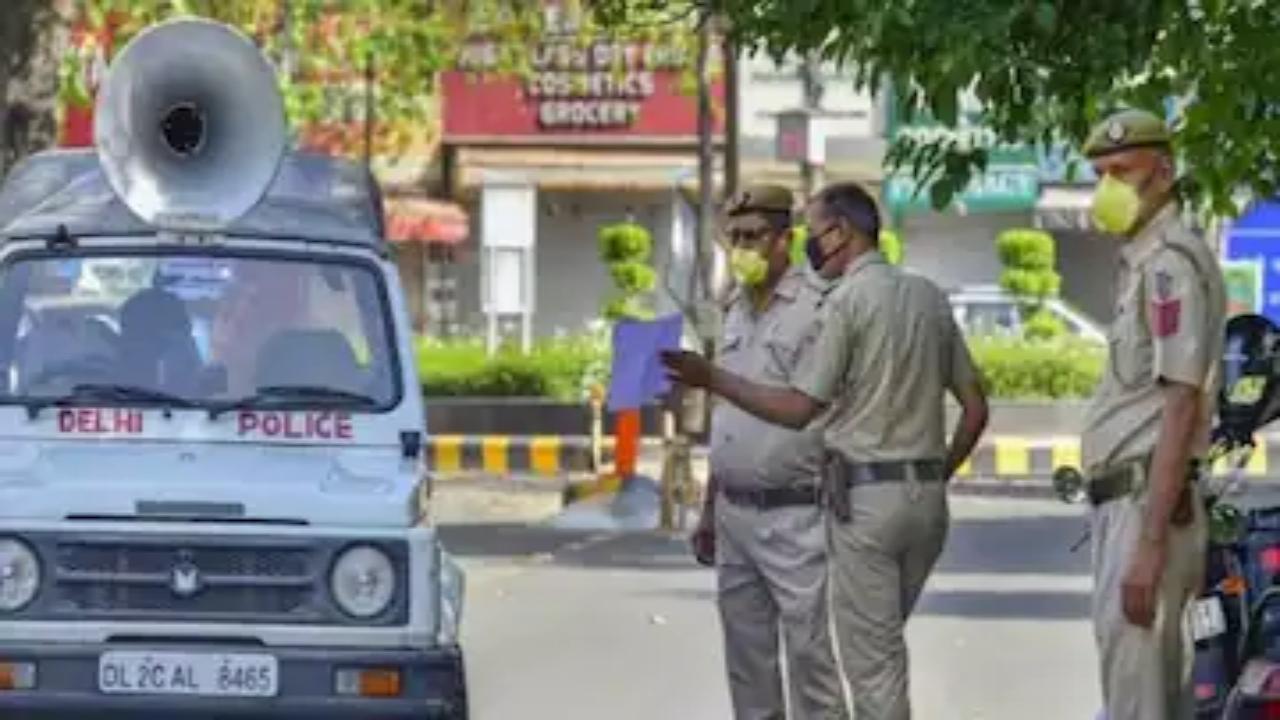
point(598, 132)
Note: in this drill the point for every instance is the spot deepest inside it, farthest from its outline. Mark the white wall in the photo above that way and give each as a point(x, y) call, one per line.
point(766, 89)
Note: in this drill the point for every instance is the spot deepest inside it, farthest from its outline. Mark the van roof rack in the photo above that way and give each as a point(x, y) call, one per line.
point(313, 198)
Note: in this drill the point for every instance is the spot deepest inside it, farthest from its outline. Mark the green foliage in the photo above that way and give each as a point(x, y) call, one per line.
point(633, 277)
point(1028, 259)
point(1044, 71)
point(562, 368)
point(891, 246)
point(799, 236)
point(624, 242)
point(1059, 369)
point(1029, 249)
point(625, 249)
point(1044, 325)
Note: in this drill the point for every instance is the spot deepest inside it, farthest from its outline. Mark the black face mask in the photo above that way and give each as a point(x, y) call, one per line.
point(813, 250)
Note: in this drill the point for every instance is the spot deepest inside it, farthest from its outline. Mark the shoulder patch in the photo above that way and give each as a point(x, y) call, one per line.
point(1167, 316)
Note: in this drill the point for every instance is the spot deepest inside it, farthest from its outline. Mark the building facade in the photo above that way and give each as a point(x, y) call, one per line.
point(597, 132)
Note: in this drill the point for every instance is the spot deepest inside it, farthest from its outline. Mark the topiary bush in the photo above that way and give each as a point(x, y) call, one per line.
point(625, 248)
point(1029, 275)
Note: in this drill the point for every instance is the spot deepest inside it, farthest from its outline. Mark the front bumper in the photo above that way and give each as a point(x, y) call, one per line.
point(433, 686)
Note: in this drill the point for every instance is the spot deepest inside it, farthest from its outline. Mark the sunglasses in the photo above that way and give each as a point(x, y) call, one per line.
point(748, 236)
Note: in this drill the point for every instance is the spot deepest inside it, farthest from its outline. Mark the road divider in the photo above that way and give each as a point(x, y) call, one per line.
point(1013, 457)
point(999, 457)
point(538, 455)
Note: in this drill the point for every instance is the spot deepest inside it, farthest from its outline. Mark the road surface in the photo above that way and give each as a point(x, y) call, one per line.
point(587, 625)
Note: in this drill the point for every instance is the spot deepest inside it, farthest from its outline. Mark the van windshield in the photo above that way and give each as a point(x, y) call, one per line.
point(194, 331)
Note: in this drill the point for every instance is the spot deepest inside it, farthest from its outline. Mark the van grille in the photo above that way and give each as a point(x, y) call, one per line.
point(234, 580)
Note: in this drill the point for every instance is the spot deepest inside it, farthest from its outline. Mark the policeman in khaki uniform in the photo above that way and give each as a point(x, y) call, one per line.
point(887, 353)
point(762, 520)
point(1149, 422)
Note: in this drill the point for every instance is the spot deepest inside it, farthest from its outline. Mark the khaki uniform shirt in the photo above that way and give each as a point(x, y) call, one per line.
point(765, 348)
point(1169, 325)
point(888, 350)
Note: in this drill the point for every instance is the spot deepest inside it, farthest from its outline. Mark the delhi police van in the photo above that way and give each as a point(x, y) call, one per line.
point(211, 437)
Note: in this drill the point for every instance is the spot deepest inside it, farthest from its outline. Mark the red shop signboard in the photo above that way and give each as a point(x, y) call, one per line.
point(575, 92)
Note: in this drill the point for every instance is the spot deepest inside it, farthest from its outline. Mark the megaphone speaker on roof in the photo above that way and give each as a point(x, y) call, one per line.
point(190, 125)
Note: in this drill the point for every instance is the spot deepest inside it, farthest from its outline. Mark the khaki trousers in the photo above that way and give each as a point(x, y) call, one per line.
point(1146, 673)
point(880, 561)
point(772, 581)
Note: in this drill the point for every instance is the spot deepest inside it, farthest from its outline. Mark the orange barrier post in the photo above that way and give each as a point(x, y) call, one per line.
point(627, 449)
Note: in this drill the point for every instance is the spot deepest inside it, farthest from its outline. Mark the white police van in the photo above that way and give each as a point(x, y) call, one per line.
point(211, 434)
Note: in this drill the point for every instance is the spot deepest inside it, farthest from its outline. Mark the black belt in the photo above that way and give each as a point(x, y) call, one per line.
point(769, 498)
point(1128, 478)
point(866, 473)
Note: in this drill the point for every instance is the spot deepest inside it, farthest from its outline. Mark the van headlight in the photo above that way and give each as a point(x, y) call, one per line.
point(363, 581)
point(19, 575)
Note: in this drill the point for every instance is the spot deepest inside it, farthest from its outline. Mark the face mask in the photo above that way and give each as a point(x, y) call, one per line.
point(1116, 206)
point(818, 258)
point(749, 266)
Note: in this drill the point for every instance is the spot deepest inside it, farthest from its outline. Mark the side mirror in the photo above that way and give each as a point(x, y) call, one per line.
point(1069, 484)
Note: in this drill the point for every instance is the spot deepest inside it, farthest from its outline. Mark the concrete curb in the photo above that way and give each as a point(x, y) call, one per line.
point(1011, 457)
point(1014, 457)
point(542, 455)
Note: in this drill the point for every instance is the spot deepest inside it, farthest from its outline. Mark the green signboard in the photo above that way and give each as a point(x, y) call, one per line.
point(1011, 182)
point(1003, 188)
point(1243, 280)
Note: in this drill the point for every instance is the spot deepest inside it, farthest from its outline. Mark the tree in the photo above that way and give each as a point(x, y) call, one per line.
point(31, 40)
point(1029, 275)
point(1046, 70)
point(326, 49)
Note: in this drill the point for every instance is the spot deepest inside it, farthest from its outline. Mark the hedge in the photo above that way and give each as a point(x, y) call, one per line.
point(564, 369)
point(1060, 369)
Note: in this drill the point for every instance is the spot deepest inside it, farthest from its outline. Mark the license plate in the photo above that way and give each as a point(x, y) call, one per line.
point(174, 673)
point(1207, 618)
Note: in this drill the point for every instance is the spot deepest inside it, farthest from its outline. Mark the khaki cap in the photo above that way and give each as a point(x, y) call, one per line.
point(1126, 130)
point(760, 198)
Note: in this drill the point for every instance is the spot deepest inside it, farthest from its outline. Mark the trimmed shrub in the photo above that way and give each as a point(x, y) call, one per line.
point(1064, 368)
point(561, 369)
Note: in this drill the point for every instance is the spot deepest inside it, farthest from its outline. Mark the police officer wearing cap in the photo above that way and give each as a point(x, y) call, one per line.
point(875, 378)
point(762, 521)
point(1149, 422)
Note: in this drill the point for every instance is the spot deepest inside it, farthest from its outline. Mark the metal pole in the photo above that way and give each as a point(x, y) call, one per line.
point(729, 51)
point(706, 160)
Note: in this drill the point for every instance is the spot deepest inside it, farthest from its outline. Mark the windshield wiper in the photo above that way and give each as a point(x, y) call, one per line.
point(110, 392)
point(315, 395)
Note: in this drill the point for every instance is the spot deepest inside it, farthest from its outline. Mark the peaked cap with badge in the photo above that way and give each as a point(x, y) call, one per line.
point(1127, 130)
point(760, 198)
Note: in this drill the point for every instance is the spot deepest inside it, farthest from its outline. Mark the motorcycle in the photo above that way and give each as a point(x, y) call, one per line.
point(1235, 620)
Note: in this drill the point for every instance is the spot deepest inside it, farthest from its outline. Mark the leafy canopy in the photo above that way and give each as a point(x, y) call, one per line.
point(1046, 70)
point(322, 49)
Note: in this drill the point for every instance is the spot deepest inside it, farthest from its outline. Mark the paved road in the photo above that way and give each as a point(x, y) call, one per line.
point(588, 625)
